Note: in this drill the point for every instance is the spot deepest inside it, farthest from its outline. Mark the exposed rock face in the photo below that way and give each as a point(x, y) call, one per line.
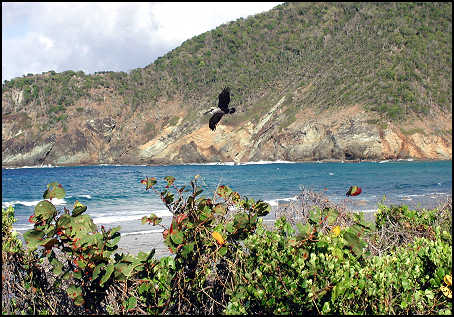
point(102, 127)
point(22, 151)
point(322, 136)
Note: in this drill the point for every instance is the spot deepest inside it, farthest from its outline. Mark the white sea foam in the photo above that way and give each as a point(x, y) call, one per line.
point(83, 196)
point(242, 163)
point(22, 227)
point(141, 232)
point(119, 165)
point(130, 216)
point(267, 162)
point(54, 201)
point(411, 195)
point(33, 166)
point(275, 202)
point(212, 163)
point(369, 211)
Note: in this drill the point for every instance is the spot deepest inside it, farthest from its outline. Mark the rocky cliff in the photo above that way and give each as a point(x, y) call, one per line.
point(352, 134)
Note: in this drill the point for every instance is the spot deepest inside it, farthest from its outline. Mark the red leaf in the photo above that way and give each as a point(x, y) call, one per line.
point(181, 217)
point(353, 191)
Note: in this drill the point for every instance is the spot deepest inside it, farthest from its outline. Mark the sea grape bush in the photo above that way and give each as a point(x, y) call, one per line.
point(226, 261)
point(204, 238)
point(77, 250)
point(297, 270)
point(303, 270)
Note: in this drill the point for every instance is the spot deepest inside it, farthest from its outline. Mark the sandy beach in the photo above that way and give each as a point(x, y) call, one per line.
point(145, 242)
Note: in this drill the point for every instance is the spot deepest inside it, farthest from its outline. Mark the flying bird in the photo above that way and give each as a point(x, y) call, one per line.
point(353, 191)
point(217, 113)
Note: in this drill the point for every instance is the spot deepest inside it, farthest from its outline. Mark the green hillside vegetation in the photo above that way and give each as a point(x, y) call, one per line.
point(395, 59)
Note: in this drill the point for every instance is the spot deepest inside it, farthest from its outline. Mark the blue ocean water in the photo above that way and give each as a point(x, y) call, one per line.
point(114, 195)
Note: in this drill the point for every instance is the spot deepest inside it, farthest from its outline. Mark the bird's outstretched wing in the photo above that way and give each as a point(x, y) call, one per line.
point(224, 99)
point(215, 118)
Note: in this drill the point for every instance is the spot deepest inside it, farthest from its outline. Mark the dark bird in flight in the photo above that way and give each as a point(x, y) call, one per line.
point(224, 99)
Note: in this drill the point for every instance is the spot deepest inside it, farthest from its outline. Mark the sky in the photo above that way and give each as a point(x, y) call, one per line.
point(38, 37)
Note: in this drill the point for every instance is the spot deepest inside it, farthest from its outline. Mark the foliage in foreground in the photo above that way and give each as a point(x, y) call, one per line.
point(226, 261)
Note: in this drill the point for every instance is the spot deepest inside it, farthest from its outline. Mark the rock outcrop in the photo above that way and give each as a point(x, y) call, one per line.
point(327, 136)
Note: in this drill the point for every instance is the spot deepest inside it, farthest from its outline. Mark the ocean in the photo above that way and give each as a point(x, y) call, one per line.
point(114, 195)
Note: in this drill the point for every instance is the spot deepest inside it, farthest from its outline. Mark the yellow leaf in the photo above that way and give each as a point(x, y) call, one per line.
point(448, 280)
point(446, 291)
point(218, 237)
point(336, 231)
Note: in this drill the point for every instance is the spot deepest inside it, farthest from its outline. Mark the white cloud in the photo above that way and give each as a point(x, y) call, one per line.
point(38, 37)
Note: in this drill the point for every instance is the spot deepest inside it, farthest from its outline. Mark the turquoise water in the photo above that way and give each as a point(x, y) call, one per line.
point(115, 196)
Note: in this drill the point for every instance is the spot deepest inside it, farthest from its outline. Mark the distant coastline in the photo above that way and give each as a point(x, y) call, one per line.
point(227, 163)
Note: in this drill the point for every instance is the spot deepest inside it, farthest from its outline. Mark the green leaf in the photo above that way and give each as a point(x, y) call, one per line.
point(82, 225)
point(45, 210)
point(429, 294)
point(64, 221)
point(68, 275)
point(219, 209)
point(405, 284)
point(113, 240)
point(54, 190)
point(224, 191)
point(74, 291)
point(354, 242)
point(149, 182)
point(107, 274)
point(187, 249)
point(57, 266)
point(97, 270)
point(79, 208)
point(78, 274)
point(79, 301)
point(168, 197)
point(314, 217)
point(332, 216)
point(229, 227)
point(262, 208)
point(240, 220)
point(170, 180)
point(304, 230)
point(153, 219)
point(222, 251)
point(205, 213)
point(177, 237)
point(33, 238)
point(123, 270)
point(130, 303)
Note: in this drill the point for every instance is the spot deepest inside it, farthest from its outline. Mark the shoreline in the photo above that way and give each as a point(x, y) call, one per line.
point(146, 241)
point(227, 163)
